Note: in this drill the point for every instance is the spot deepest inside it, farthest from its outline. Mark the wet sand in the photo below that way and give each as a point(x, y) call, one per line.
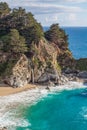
point(7, 90)
point(12, 98)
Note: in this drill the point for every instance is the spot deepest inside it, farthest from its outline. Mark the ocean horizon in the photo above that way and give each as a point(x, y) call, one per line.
point(77, 39)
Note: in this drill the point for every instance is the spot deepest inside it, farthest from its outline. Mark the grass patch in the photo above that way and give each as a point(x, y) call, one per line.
point(81, 64)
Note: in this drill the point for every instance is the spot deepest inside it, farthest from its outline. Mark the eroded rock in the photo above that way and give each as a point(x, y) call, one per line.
point(82, 74)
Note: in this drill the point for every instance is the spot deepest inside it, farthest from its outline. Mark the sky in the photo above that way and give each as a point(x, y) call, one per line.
point(47, 12)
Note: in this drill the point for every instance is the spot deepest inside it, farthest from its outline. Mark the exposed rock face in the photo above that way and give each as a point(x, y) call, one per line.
point(62, 80)
point(42, 67)
point(4, 128)
point(49, 75)
point(21, 73)
point(82, 74)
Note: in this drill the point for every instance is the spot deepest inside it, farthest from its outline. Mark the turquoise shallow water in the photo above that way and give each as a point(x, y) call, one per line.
point(66, 110)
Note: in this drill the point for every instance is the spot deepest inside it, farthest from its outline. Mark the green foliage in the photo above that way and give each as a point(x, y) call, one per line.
point(24, 22)
point(18, 12)
point(57, 35)
point(33, 33)
point(49, 63)
point(4, 9)
point(58, 67)
point(36, 62)
point(21, 33)
point(53, 33)
point(14, 43)
point(81, 64)
point(6, 67)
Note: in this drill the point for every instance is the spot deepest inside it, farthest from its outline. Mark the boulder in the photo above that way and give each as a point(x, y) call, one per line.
point(62, 80)
point(82, 74)
point(68, 71)
point(4, 128)
point(48, 75)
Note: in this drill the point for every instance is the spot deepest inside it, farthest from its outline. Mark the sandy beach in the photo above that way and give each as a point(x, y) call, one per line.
point(12, 98)
point(8, 90)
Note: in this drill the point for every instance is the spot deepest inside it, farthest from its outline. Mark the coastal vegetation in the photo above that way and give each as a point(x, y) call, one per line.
point(27, 53)
point(81, 64)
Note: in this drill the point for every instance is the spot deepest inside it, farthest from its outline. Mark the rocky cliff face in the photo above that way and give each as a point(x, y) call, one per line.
point(21, 73)
point(41, 67)
point(28, 54)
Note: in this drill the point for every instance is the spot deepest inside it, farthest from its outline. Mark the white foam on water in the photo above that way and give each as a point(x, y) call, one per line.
point(8, 119)
point(10, 103)
point(68, 86)
point(83, 112)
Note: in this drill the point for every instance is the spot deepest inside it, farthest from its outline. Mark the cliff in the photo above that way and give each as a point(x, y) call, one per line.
point(39, 68)
point(28, 54)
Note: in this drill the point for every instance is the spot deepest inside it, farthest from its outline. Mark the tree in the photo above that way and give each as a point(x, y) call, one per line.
point(57, 35)
point(33, 33)
point(18, 12)
point(24, 22)
point(14, 43)
point(53, 33)
point(4, 9)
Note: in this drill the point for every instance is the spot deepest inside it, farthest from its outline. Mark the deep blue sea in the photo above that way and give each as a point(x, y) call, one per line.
point(77, 40)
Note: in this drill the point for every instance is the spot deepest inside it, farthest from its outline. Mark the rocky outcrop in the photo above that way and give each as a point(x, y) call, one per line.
point(21, 73)
point(62, 80)
point(82, 74)
point(49, 75)
point(4, 128)
point(28, 54)
point(42, 67)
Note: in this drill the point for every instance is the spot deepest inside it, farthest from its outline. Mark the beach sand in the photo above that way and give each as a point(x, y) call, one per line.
point(11, 99)
point(7, 90)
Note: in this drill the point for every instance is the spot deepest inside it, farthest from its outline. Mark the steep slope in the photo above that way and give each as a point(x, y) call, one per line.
point(28, 54)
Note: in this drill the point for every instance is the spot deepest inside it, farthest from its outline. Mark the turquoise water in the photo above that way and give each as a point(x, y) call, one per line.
point(66, 110)
point(77, 40)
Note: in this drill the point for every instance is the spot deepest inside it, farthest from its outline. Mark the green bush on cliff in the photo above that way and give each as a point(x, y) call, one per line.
point(33, 34)
point(53, 33)
point(14, 43)
point(4, 9)
point(6, 67)
point(58, 67)
point(81, 64)
point(22, 21)
point(57, 35)
point(21, 33)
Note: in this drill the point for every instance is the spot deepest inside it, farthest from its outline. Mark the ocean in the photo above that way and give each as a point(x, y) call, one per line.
point(77, 39)
point(63, 110)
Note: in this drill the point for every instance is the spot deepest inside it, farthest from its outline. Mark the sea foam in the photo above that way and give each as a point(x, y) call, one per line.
point(10, 104)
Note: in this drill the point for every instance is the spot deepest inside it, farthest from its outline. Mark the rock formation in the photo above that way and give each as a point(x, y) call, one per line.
point(30, 55)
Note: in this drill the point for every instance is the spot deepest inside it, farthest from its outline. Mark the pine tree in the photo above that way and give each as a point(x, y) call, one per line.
point(14, 43)
point(4, 9)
